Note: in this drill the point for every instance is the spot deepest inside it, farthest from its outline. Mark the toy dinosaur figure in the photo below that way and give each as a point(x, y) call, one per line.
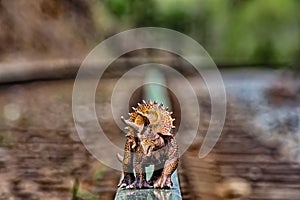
point(150, 137)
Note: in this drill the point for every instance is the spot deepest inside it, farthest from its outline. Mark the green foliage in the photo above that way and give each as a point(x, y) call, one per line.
point(264, 31)
point(78, 193)
point(118, 7)
point(99, 173)
point(75, 189)
point(5, 140)
point(86, 195)
point(233, 31)
point(1, 140)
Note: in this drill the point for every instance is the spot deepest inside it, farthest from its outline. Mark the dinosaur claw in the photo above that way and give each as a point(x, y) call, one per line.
point(122, 185)
point(138, 184)
point(127, 180)
point(163, 183)
point(132, 186)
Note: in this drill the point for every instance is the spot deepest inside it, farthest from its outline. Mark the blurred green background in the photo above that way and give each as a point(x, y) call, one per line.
point(234, 32)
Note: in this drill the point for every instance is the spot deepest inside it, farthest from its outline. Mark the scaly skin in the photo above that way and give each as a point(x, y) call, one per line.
point(172, 158)
point(140, 170)
point(129, 149)
point(162, 152)
point(150, 136)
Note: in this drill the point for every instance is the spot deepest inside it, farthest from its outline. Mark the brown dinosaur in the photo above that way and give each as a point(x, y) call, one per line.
point(150, 137)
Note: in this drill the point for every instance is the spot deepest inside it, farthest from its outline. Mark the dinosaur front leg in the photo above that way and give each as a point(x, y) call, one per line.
point(164, 181)
point(170, 165)
point(140, 171)
point(140, 181)
point(128, 178)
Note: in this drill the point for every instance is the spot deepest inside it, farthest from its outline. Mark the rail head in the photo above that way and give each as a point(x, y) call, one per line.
point(151, 193)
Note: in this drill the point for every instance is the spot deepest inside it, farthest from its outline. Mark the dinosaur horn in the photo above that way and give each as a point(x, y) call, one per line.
point(131, 124)
point(140, 113)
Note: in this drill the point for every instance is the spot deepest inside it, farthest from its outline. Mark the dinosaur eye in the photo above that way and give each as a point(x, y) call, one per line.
point(146, 122)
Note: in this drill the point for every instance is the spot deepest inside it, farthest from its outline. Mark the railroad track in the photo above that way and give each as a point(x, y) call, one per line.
point(42, 163)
